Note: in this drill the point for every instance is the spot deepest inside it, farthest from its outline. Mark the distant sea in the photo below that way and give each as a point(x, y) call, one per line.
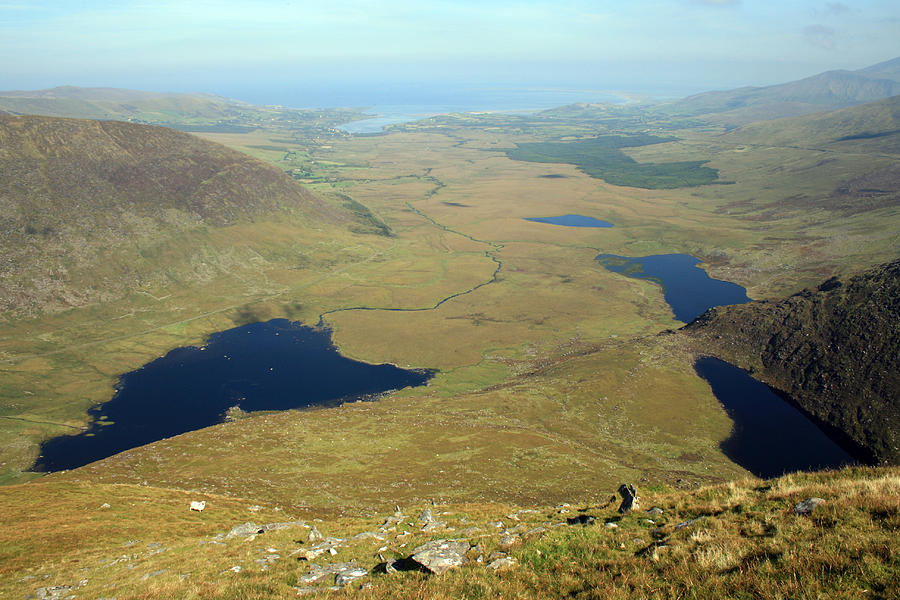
point(508, 100)
point(399, 103)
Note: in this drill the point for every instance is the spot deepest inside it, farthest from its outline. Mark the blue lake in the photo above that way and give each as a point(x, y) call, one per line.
point(571, 221)
point(770, 436)
point(276, 365)
point(687, 288)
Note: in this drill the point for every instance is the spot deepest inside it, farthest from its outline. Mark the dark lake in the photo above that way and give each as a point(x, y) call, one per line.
point(687, 288)
point(770, 436)
point(276, 365)
point(571, 221)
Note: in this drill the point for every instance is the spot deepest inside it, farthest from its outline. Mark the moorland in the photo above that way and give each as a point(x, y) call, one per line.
point(556, 380)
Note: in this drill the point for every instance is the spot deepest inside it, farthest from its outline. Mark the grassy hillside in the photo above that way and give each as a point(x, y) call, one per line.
point(833, 350)
point(735, 540)
point(873, 127)
point(91, 208)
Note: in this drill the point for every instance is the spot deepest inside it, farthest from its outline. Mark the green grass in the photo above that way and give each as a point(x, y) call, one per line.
point(601, 157)
point(746, 543)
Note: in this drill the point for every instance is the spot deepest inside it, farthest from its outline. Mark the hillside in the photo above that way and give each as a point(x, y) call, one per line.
point(108, 103)
point(834, 350)
point(825, 91)
point(742, 539)
point(187, 112)
point(85, 204)
point(872, 127)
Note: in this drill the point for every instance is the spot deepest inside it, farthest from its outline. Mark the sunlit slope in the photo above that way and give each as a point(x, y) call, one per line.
point(120, 242)
point(570, 420)
point(737, 539)
point(93, 209)
point(872, 127)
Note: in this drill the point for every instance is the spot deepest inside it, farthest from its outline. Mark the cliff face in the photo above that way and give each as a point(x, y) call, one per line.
point(834, 350)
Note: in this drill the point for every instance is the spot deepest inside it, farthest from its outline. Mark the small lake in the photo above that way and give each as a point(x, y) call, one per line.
point(571, 221)
point(770, 436)
point(688, 289)
point(275, 365)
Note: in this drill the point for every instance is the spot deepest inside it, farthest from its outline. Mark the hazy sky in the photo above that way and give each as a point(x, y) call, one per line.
point(226, 46)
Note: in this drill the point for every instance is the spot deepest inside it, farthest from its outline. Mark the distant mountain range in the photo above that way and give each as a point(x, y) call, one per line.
point(114, 103)
point(825, 91)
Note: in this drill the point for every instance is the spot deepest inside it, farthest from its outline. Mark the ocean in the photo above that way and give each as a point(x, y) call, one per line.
point(403, 102)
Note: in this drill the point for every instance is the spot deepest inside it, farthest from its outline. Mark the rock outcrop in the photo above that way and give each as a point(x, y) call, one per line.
point(834, 350)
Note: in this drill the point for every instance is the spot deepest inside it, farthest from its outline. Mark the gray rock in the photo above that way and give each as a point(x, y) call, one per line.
point(534, 533)
point(610, 525)
point(365, 535)
point(314, 535)
point(629, 498)
point(244, 530)
point(469, 531)
point(52, 593)
point(343, 573)
point(440, 555)
point(655, 511)
point(391, 523)
point(688, 523)
point(278, 526)
point(316, 574)
point(807, 506)
point(432, 525)
point(508, 541)
point(426, 516)
point(348, 576)
point(507, 562)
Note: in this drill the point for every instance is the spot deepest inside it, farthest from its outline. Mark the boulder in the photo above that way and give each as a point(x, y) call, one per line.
point(314, 535)
point(426, 516)
point(441, 555)
point(507, 562)
point(807, 506)
point(344, 573)
point(244, 530)
point(277, 526)
point(347, 576)
point(629, 498)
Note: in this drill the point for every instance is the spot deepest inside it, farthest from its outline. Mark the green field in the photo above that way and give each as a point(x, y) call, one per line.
point(601, 157)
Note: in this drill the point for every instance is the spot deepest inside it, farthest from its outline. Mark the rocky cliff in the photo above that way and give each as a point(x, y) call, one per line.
point(834, 350)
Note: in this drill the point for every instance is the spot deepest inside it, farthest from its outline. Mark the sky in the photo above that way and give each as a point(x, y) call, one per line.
point(258, 50)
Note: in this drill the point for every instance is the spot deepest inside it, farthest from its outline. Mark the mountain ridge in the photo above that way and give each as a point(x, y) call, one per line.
point(830, 89)
point(72, 190)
